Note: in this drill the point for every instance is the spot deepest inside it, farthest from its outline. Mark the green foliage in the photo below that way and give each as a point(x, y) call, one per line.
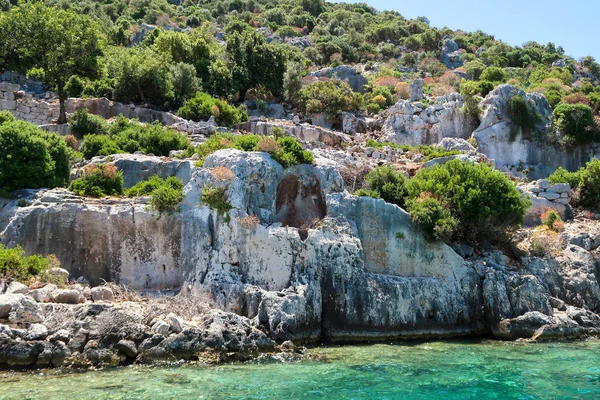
point(522, 114)
point(31, 158)
point(98, 180)
point(386, 93)
point(550, 217)
point(561, 175)
point(83, 123)
point(6, 116)
point(430, 152)
point(291, 152)
point(184, 81)
point(14, 264)
point(216, 197)
point(202, 106)
point(469, 90)
point(98, 145)
point(292, 82)
point(590, 184)
point(165, 195)
point(385, 183)
point(74, 86)
point(474, 69)
point(464, 201)
point(331, 97)
point(576, 123)
point(131, 136)
point(493, 74)
point(554, 97)
point(63, 43)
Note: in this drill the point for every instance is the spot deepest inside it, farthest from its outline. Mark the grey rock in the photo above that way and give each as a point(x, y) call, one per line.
point(36, 332)
point(174, 322)
point(62, 335)
point(456, 144)
point(345, 73)
point(20, 309)
point(549, 195)
point(558, 304)
point(102, 293)
point(559, 188)
point(16, 288)
point(60, 273)
point(451, 56)
point(416, 90)
point(44, 294)
point(127, 348)
point(161, 327)
point(68, 296)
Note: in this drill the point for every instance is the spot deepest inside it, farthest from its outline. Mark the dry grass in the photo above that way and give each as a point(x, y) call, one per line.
point(268, 145)
point(544, 241)
point(72, 142)
point(222, 173)
point(402, 90)
point(185, 306)
point(354, 177)
point(249, 222)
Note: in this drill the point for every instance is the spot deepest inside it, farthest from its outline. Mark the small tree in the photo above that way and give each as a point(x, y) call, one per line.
point(53, 44)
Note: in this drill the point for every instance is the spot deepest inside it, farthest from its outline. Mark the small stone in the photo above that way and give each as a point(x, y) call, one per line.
point(544, 184)
point(161, 327)
point(564, 195)
point(559, 188)
point(36, 332)
point(62, 335)
point(67, 296)
point(60, 273)
point(174, 322)
point(549, 195)
point(557, 303)
point(43, 295)
point(127, 348)
point(562, 200)
point(16, 288)
point(376, 155)
point(102, 293)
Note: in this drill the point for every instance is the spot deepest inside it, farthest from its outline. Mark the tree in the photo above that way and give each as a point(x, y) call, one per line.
point(254, 63)
point(185, 83)
point(292, 82)
point(55, 43)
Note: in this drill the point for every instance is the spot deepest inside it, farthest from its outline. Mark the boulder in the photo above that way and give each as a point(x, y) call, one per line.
point(127, 348)
point(416, 90)
point(451, 56)
point(16, 288)
point(459, 144)
point(345, 73)
point(44, 294)
point(20, 309)
point(161, 327)
point(68, 296)
point(60, 273)
point(175, 323)
point(102, 293)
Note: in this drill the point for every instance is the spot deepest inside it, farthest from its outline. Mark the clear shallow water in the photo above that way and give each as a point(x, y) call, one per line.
point(433, 370)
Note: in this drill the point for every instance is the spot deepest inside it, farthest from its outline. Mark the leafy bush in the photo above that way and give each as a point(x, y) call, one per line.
point(522, 114)
point(6, 116)
point(83, 123)
point(14, 264)
point(285, 150)
point(202, 106)
point(385, 183)
point(291, 152)
point(331, 97)
point(464, 201)
point(493, 74)
point(561, 175)
point(31, 158)
point(166, 198)
point(98, 180)
point(74, 86)
point(216, 197)
point(98, 145)
point(165, 195)
point(552, 220)
point(590, 184)
point(576, 122)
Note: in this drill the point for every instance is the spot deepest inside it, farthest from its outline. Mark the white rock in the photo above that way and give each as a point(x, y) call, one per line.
point(161, 327)
point(174, 322)
point(102, 293)
point(16, 288)
point(67, 296)
point(43, 295)
point(60, 273)
point(549, 195)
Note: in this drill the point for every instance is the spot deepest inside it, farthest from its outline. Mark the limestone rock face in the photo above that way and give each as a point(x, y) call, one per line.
point(138, 167)
point(110, 240)
point(406, 123)
point(513, 151)
point(451, 56)
point(344, 73)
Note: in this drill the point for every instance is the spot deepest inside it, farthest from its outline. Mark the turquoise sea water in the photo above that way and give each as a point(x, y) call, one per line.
point(431, 370)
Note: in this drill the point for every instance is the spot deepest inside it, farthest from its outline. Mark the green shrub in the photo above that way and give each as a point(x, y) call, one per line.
point(554, 97)
point(166, 198)
point(98, 145)
point(576, 122)
point(149, 138)
point(484, 87)
point(288, 150)
point(74, 86)
point(291, 153)
point(100, 88)
point(15, 265)
point(481, 202)
point(386, 93)
point(202, 106)
point(561, 175)
point(590, 184)
point(216, 197)
point(522, 114)
point(6, 116)
point(31, 158)
point(385, 183)
point(165, 195)
point(83, 123)
point(99, 180)
point(331, 97)
point(551, 219)
point(493, 74)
